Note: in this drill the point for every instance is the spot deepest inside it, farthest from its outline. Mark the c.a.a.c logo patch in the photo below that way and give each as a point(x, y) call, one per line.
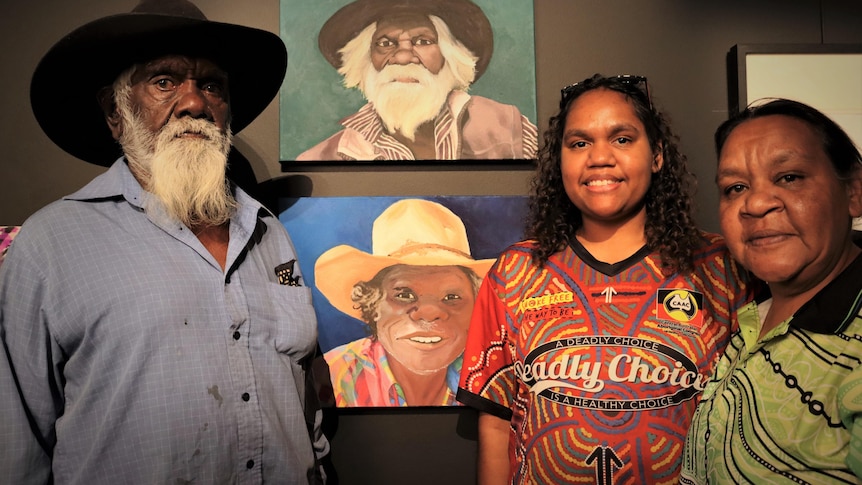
point(680, 305)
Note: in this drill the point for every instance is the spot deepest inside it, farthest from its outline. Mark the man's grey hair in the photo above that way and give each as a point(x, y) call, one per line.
point(134, 148)
point(356, 56)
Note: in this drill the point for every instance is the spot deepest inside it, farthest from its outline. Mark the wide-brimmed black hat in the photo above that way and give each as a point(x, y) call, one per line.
point(63, 91)
point(464, 18)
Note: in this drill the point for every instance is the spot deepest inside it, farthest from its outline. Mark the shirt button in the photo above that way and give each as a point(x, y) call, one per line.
point(249, 464)
point(236, 335)
point(245, 396)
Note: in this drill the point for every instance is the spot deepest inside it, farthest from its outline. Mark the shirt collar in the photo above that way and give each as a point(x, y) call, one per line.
point(830, 311)
point(118, 182)
point(834, 307)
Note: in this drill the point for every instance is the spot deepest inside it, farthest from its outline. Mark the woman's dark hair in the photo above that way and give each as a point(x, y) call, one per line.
point(670, 229)
point(837, 145)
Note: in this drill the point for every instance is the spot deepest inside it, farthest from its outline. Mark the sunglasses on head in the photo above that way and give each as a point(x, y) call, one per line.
point(639, 82)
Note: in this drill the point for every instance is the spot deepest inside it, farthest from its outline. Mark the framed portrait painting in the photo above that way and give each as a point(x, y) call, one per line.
point(7, 234)
point(407, 80)
point(393, 284)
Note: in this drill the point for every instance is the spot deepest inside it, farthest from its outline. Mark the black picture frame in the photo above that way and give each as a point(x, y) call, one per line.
point(314, 99)
point(738, 57)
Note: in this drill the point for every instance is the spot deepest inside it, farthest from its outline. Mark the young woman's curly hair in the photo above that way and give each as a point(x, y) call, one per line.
point(670, 229)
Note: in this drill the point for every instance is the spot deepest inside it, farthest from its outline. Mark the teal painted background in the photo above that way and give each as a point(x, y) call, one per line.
point(313, 99)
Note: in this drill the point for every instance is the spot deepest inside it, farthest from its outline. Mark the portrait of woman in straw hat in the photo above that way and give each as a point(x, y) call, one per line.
point(396, 279)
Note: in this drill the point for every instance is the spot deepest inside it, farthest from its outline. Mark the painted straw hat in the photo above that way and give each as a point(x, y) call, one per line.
point(410, 231)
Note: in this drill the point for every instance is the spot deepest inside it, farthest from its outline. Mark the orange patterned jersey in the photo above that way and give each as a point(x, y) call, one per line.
point(598, 366)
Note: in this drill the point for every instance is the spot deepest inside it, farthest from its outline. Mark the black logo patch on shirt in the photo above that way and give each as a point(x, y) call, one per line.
point(680, 305)
point(284, 273)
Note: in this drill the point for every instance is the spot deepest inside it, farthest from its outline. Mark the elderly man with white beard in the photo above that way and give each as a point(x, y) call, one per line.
point(154, 324)
point(414, 60)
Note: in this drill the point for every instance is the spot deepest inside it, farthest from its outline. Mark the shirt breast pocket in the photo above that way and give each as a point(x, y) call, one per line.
point(286, 316)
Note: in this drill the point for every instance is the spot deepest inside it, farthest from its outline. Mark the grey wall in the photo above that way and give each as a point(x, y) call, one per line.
point(679, 45)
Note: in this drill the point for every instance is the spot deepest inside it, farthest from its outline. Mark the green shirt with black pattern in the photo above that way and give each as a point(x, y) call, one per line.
point(786, 408)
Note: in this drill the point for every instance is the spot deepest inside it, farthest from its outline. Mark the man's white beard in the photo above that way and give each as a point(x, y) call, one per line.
point(186, 174)
point(403, 106)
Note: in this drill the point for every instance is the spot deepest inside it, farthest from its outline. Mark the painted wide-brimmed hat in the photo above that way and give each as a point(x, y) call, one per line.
point(464, 18)
point(410, 231)
point(63, 91)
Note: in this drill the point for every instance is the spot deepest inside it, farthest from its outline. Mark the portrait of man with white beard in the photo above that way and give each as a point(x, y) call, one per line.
point(414, 62)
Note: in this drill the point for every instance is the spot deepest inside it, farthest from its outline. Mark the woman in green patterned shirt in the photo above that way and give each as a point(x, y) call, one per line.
point(784, 402)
